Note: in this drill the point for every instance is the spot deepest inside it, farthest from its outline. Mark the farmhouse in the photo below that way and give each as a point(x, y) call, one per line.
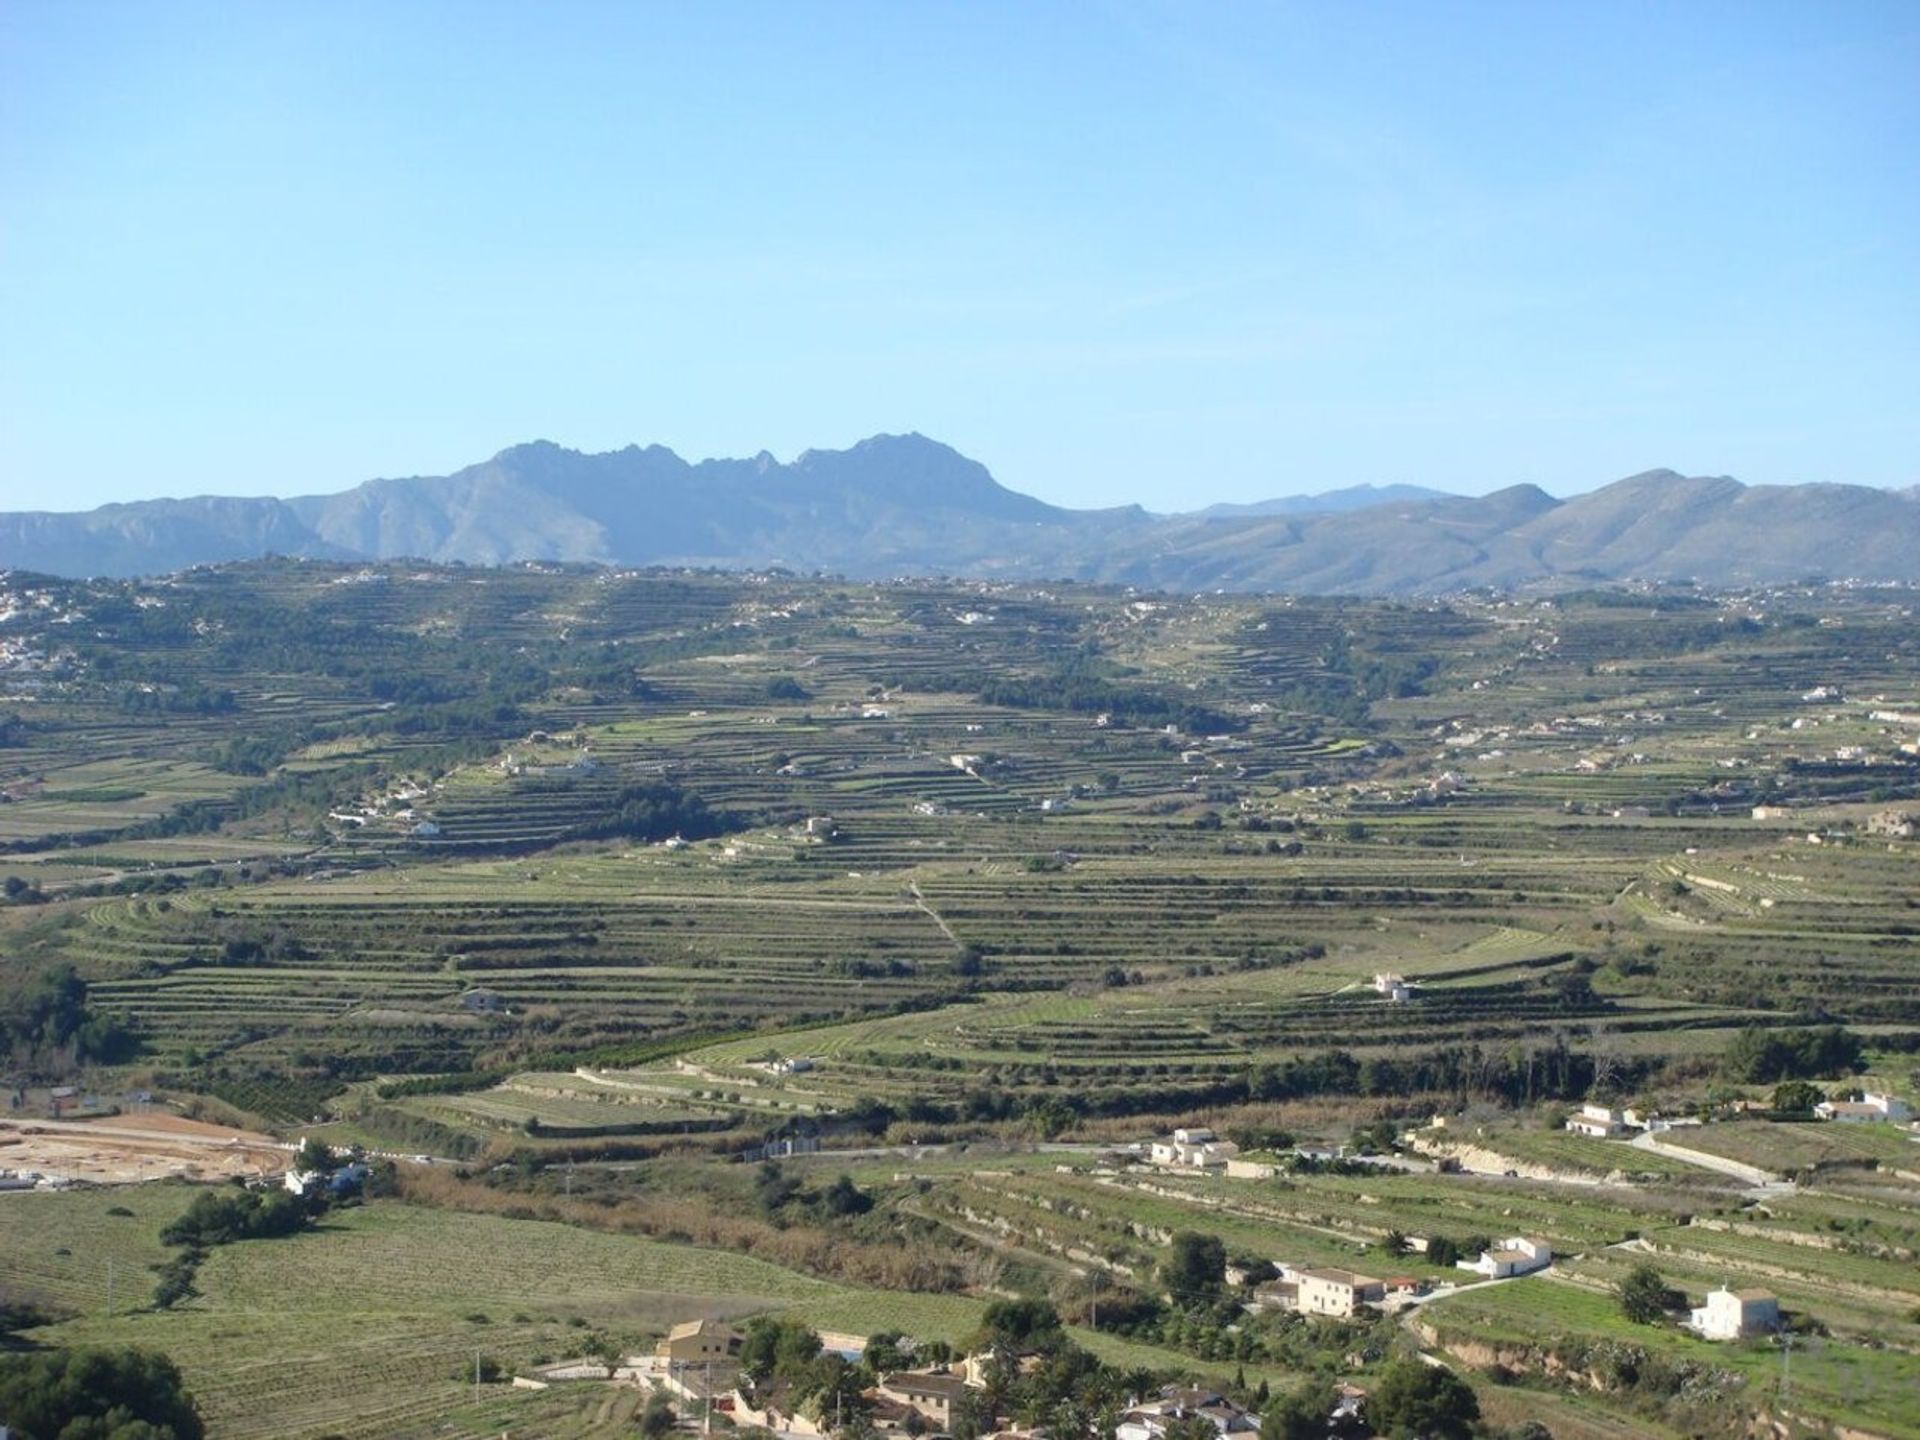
point(1195, 1147)
point(1339, 1293)
point(699, 1340)
point(1597, 1121)
point(933, 1394)
point(1897, 824)
point(1736, 1314)
point(1871, 1108)
point(1515, 1256)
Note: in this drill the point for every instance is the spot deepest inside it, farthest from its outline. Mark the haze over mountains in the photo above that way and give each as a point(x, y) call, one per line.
point(905, 504)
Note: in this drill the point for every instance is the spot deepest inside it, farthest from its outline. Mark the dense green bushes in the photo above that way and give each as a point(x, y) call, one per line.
point(1763, 1057)
point(223, 1217)
point(123, 1394)
point(49, 1018)
point(655, 811)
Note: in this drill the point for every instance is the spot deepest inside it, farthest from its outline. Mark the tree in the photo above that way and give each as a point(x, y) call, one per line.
point(122, 1394)
point(1395, 1244)
point(1759, 1056)
point(838, 1393)
point(313, 1158)
point(1442, 1251)
point(887, 1351)
point(781, 1349)
point(657, 1418)
point(1021, 1326)
point(843, 1198)
point(1415, 1401)
point(1643, 1296)
point(19, 1311)
point(969, 1418)
point(1796, 1097)
point(1195, 1268)
point(1300, 1414)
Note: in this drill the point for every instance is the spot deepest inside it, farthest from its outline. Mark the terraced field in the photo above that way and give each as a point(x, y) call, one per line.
point(631, 870)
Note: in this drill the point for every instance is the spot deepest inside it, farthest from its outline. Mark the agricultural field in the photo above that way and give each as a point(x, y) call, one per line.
point(595, 887)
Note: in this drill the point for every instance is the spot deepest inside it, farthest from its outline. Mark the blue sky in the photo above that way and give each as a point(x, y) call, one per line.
point(1131, 252)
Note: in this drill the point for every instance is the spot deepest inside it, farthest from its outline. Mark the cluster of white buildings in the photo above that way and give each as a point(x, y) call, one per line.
point(1151, 1419)
point(1874, 1107)
point(1603, 1122)
point(698, 1362)
point(1193, 1148)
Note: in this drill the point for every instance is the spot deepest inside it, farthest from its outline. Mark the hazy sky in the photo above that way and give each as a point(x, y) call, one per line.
point(1165, 253)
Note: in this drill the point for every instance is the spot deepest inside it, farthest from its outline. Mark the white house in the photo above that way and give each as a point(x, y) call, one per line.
point(1339, 1293)
point(1597, 1121)
point(1193, 1146)
point(1395, 987)
point(1736, 1314)
point(1517, 1255)
point(342, 1180)
point(1871, 1108)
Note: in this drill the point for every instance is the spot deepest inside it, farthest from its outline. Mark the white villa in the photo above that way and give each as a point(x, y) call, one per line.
point(1600, 1122)
point(1201, 1149)
point(1517, 1255)
point(1871, 1108)
point(1736, 1314)
point(1394, 987)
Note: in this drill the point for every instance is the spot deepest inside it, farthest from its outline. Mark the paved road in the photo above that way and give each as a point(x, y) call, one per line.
point(1765, 1182)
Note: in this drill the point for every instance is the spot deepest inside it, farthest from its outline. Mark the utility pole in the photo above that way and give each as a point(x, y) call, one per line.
point(706, 1420)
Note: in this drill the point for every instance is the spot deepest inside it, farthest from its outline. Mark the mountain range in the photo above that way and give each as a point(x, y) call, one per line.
point(904, 504)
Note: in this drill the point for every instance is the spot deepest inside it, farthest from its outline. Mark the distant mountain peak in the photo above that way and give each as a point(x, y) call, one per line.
point(1351, 497)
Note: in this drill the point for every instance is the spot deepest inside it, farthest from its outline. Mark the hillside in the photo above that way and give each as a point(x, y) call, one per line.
point(904, 504)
